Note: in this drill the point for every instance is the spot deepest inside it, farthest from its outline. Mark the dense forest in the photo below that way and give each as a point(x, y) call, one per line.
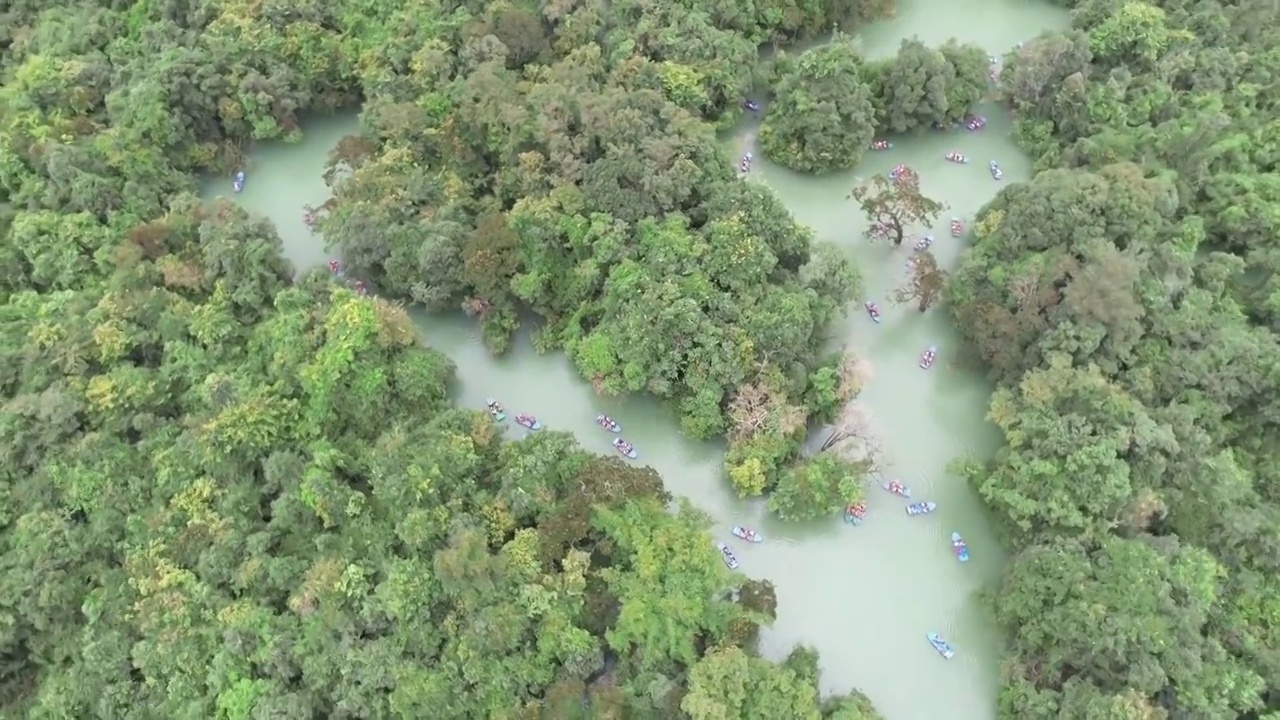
point(232, 492)
point(1126, 302)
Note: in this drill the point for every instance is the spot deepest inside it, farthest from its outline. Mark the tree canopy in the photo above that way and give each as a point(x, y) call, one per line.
point(1124, 301)
point(233, 491)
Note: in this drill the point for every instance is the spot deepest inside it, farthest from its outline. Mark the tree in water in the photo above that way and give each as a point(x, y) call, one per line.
point(823, 118)
point(896, 204)
point(925, 285)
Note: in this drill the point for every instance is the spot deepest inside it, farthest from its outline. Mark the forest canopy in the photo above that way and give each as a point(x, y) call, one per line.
point(1124, 300)
point(233, 491)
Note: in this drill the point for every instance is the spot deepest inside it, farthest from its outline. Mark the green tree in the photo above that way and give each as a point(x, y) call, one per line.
point(822, 118)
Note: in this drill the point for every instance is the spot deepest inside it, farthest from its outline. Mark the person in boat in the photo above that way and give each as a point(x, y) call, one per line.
point(873, 309)
point(360, 288)
point(334, 267)
point(924, 242)
point(623, 446)
point(525, 418)
point(880, 145)
point(605, 421)
point(493, 405)
point(751, 105)
point(896, 487)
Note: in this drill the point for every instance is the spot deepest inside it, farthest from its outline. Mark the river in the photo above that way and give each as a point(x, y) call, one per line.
point(865, 596)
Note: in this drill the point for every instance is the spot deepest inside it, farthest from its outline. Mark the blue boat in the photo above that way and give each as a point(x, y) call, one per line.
point(528, 421)
point(237, 182)
point(495, 410)
point(921, 508)
point(854, 513)
point(942, 646)
point(625, 449)
point(959, 547)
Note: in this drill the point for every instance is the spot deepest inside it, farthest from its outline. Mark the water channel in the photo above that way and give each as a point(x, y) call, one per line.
point(865, 596)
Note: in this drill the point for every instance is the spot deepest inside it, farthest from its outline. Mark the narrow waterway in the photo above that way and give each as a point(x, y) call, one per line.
point(865, 596)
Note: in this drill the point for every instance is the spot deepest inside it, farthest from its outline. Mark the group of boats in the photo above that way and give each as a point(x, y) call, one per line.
point(530, 422)
point(958, 547)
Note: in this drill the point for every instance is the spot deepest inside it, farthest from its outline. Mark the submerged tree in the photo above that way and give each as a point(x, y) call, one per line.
point(896, 204)
point(925, 284)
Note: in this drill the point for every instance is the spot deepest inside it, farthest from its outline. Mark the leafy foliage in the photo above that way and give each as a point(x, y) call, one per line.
point(232, 492)
point(1124, 300)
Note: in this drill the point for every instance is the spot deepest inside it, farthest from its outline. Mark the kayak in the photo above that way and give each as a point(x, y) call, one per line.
point(625, 450)
point(608, 423)
point(921, 508)
point(942, 646)
point(528, 421)
point(960, 547)
point(747, 534)
point(727, 555)
point(901, 490)
point(237, 182)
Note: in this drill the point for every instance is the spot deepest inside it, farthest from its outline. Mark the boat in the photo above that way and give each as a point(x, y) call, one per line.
point(897, 488)
point(727, 555)
point(960, 547)
point(744, 165)
point(751, 105)
point(921, 508)
point(624, 448)
point(996, 172)
point(853, 514)
point(495, 410)
point(957, 227)
point(747, 534)
point(899, 172)
point(924, 243)
point(237, 182)
point(975, 122)
point(942, 646)
point(873, 311)
point(926, 360)
point(956, 157)
point(362, 290)
point(881, 145)
point(608, 423)
point(528, 421)
point(335, 268)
